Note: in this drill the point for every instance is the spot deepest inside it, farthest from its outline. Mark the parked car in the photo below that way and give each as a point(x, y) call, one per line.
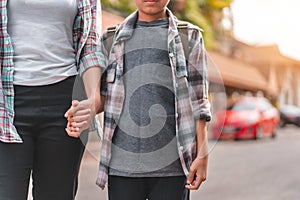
point(245, 118)
point(289, 114)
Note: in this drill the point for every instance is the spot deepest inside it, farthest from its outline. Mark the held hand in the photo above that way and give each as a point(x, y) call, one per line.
point(80, 115)
point(71, 130)
point(197, 173)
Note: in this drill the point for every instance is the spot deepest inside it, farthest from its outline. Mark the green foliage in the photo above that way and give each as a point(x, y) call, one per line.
point(193, 14)
point(198, 12)
point(201, 3)
point(219, 4)
point(123, 7)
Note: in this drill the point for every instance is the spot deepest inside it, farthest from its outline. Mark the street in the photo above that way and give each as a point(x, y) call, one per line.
point(238, 170)
point(260, 170)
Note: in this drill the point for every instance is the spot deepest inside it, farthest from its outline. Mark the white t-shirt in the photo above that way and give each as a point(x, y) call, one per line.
point(42, 37)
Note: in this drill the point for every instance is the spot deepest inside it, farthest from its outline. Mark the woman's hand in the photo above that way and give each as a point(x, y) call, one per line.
point(80, 115)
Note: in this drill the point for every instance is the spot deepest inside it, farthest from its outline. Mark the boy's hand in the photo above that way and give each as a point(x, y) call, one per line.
point(197, 173)
point(71, 130)
point(80, 115)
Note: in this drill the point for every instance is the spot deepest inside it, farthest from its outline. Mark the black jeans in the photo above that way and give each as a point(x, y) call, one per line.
point(156, 188)
point(47, 151)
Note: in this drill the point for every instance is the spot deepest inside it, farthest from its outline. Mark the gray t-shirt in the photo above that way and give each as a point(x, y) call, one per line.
point(42, 38)
point(144, 143)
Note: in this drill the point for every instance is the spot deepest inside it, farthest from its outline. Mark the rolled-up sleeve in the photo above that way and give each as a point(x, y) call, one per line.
point(198, 76)
point(91, 55)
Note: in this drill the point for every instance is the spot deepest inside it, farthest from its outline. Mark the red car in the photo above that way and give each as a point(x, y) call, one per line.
point(248, 117)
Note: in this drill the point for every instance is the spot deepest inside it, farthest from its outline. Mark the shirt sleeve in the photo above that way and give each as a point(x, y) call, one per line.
point(91, 55)
point(198, 76)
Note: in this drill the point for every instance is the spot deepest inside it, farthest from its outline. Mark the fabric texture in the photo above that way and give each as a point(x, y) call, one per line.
point(86, 40)
point(147, 122)
point(190, 83)
point(158, 188)
point(52, 156)
point(40, 60)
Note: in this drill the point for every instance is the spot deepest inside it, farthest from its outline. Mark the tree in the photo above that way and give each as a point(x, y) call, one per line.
point(207, 14)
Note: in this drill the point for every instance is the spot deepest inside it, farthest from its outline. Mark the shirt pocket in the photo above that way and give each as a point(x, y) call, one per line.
point(108, 77)
point(111, 73)
point(181, 69)
point(182, 81)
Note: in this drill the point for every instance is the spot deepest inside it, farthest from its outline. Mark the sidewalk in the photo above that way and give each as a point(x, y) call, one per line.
point(88, 190)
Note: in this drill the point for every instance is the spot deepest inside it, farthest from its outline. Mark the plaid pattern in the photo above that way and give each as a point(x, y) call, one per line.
point(86, 29)
point(190, 85)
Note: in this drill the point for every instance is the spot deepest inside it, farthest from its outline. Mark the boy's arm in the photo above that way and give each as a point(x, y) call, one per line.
point(198, 83)
point(198, 76)
point(198, 168)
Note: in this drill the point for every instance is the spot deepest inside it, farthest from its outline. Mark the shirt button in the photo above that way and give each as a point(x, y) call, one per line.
point(8, 93)
point(181, 148)
point(176, 115)
point(171, 54)
point(7, 42)
point(8, 68)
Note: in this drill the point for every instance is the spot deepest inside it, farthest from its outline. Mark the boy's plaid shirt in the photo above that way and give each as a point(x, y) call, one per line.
point(86, 31)
point(190, 84)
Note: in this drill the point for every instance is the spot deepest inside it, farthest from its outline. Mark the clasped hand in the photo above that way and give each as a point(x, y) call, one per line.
point(80, 115)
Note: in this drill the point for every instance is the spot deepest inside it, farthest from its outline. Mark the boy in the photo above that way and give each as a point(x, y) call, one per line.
point(156, 108)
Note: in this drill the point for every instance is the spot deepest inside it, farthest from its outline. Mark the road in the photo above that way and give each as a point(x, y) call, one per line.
point(255, 170)
point(238, 170)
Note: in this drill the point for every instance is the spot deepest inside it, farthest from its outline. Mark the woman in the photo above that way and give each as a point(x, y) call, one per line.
point(44, 45)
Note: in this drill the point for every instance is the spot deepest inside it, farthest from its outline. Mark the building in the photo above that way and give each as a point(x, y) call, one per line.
point(282, 73)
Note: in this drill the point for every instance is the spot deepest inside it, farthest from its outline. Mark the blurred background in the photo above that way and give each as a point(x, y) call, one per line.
point(254, 52)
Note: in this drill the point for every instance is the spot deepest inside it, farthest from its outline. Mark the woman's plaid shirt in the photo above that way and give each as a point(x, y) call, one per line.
point(86, 31)
point(190, 84)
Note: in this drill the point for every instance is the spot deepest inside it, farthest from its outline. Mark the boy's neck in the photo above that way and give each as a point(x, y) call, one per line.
point(150, 18)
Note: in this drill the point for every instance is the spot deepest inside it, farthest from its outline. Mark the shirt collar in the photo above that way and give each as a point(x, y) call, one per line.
point(127, 27)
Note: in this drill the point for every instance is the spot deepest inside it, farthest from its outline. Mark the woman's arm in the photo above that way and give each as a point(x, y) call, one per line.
point(81, 113)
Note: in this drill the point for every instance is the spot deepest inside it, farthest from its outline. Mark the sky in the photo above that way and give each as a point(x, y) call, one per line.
point(262, 22)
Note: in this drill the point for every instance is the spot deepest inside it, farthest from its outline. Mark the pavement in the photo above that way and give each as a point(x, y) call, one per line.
point(238, 170)
point(88, 190)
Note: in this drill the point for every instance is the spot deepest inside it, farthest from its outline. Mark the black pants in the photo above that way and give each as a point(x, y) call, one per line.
point(47, 151)
point(157, 188)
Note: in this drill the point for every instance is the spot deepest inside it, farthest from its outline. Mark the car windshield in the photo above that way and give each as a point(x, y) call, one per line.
point(242, 106)
point(291, 110)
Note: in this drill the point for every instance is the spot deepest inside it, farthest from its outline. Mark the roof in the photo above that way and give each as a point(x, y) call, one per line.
point(262, 53)
point(234, 73)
